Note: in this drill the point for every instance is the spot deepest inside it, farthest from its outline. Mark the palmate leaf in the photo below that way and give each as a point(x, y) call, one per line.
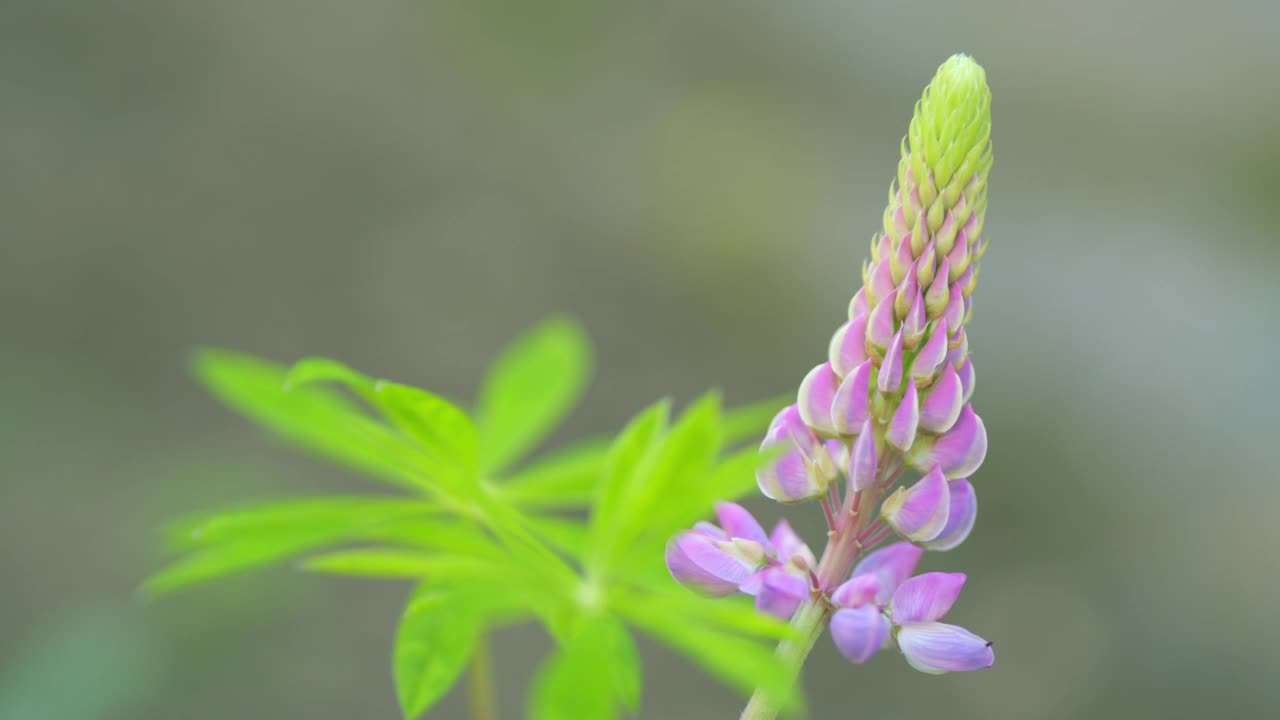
point(482, 543)
point(530, 388)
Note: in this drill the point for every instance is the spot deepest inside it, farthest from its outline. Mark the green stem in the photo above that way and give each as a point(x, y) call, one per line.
point(808, 622)
point(480, 691)
point(838, 559)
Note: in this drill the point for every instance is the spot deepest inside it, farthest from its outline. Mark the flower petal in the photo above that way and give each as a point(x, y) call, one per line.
point(790, 547)
point(891, 565)
point(902, 428)
point(959, 451)
point(920, 511)
point(858, 305)
point(862, 460)
point(780, 592)
point(849, 407)
point(849, 346)
point(942, 404)
point(858, 591)
point(739, 523)
point(890, 377)
point(791, 478)
point(967, 378)
point(859, 632)
point(817, 391)
point(880, 323)
point(710, 566)
point(936, 648)
point(927, 597)
point(932, 353)
point(964, 511)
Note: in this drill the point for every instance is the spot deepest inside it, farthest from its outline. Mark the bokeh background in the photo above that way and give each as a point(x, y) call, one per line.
point(406, 185)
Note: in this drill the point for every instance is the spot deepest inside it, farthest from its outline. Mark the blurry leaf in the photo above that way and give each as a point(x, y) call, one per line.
point(628, 459)
point(742, 663)
point(434, 642)
point(530, 388)
point(232, 557)
point(751, 422)
point(732, 614)
point(628, 671)
point(457, 537)
point(319, 420)
point(440, 428)
point(564, 534)
point(732, 478)
point(589, 675)
point(566, 478)
point(241, 540)
point(397, 563)
point(683, 461)
point(294, 516)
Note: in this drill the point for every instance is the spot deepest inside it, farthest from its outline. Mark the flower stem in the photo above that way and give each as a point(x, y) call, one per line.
point(838, 559)
point(808, 622)
point(480, 690)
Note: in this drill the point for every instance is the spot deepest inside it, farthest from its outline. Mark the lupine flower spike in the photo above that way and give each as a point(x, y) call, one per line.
point(893, 394)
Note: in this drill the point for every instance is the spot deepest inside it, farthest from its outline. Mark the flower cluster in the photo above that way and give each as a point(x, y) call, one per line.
point(737, 556)
point(894, 394)
point(879, 602)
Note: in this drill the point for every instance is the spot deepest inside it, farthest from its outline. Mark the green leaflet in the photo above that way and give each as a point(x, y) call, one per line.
point(226, 543)
point(434, 641)
point(564, 479)
point(589, 675)
point(443, 431)
point(682, 461)
point(626, 466)
point(729, 614)
point(397, 563)
point(530, 388)
point(295, 516)
point(740, 662)
point(319, 420)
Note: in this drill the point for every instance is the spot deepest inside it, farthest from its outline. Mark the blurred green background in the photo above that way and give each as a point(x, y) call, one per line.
point(405, 185)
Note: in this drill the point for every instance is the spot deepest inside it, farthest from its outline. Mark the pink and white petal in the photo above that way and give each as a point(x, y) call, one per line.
point(788, 545)
point(943, 402)
point(891, 565)
point(738, 522)
point(781, 593)
point(817, 391)
point(857, 591)
point(959, 451)
point(849, 346)
point(902, 427)
point(919, 512)
point(862, 459)
point(964, 511)
point(860, 632)
point(849, 407)
point(936, 648)
point(927, 597)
